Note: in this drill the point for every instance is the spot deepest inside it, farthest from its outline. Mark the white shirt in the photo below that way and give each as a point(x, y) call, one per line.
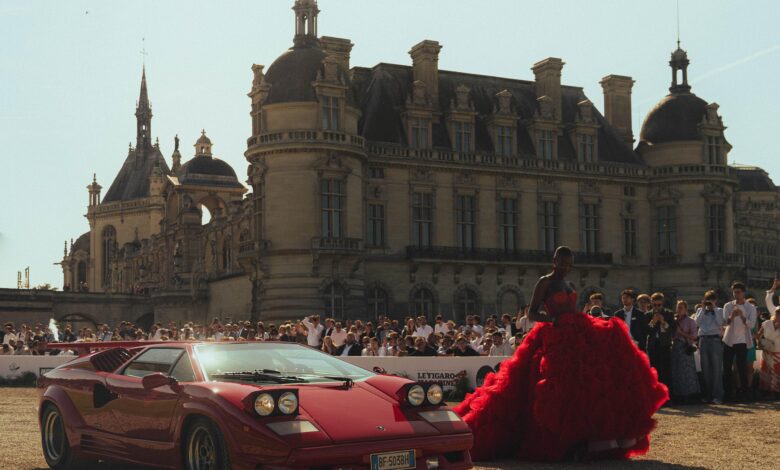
point(525, 324)
point(739, 331)
point(442, 328)
point(314, 332)
point(338, 337)
point(386, 351)
point(478, 329)
point(772, 334)
point(627, 312)
point(348, 347)
point(8, 337)
point(504, 350)
point(423, 331)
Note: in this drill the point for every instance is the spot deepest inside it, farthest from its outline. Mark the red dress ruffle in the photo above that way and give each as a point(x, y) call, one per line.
point(581, 381)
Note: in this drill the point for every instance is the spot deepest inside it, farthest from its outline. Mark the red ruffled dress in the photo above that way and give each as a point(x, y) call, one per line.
point(580, 383)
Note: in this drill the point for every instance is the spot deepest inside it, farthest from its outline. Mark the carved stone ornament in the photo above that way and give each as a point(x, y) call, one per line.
point(422, 174)
point(712, 114)
point(714, 191)
point(664, 193)
point(590, 189)
point(506, 181)
point(462, 94)
point(419, 93)
point(259, 76)
point(504, 98)
point(546, 184)
point(331, 67)
point(585, 114)
point(465, 178)
point(546, 109)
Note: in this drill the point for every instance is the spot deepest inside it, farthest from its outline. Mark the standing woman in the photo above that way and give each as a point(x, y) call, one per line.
point(685, 381)
point(769, 339)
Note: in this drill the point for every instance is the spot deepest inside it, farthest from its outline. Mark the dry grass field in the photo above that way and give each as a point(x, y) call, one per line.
point(696, 437)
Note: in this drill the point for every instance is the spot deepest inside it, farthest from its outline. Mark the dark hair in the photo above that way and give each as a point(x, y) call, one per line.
point(596, 296)
point(710, 295)
point(562, 251)
point(738, 285)
point(629, 292)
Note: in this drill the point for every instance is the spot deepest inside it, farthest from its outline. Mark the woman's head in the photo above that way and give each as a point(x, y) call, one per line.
point(682, 307)
point(563, 260)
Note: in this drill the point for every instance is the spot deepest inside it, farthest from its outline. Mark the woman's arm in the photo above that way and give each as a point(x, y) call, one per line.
point(536, 301)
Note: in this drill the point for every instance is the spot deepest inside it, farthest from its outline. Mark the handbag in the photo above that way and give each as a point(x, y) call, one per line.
point(766, 344)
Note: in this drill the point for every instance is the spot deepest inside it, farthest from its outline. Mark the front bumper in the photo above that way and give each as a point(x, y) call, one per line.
point(451, 450)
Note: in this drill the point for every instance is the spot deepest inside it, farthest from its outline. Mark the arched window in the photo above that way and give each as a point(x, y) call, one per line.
point(109, 252)
point(377, 302)
point(227, 254)
point(334, 300)
point(423, 302)
point(509, 302)
point(466, 303)
point(81, 275)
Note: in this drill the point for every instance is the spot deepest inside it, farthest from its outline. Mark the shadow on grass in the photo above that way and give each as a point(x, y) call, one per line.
point(610, 464)
point(719, 410)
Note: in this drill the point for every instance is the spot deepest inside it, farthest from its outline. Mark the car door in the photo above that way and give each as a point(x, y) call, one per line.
point(146, 414)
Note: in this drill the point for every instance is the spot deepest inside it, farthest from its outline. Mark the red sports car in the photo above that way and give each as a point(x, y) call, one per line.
point(242, 405)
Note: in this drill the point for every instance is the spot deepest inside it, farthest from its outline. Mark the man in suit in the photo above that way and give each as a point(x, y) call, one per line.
point(635, 319)
point(350, 347)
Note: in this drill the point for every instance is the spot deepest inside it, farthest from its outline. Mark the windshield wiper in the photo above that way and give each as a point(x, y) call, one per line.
point(259, 376)
point(348, 382)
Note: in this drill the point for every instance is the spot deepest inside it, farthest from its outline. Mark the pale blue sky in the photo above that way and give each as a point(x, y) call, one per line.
point(71, 71)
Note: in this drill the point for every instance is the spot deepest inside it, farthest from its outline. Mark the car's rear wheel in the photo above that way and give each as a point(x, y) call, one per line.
point(205, 447)
point(54, 440)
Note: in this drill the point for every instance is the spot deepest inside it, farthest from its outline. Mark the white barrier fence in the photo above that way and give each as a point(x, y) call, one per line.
point(443, 370)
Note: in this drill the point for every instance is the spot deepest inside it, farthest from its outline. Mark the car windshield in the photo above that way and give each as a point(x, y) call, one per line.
point(288, 360)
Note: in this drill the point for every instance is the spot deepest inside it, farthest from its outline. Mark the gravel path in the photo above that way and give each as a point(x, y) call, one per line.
point(694, 437)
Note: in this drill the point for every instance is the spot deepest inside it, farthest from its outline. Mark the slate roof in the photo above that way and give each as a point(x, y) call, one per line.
point(132, 181)
point(754, 179)
point(676, 117)
point(209, 171)
point(82, 243)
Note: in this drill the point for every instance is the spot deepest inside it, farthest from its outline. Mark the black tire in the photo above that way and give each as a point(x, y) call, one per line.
point(54, 441)
point(204, 447)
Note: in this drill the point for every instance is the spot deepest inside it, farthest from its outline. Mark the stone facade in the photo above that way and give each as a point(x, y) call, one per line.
point(408, 189)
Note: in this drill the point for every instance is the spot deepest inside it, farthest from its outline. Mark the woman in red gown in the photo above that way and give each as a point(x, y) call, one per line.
point(577, 386)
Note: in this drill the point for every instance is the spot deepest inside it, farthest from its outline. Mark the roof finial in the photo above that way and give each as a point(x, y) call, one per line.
point(94, 177)
point(678, 24)
point(143, 53)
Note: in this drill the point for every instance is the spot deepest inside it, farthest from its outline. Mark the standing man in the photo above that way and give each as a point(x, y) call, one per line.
point(423, 329)
point(313, 331)
point(661, 329)
point(710, 319)
point(737, 339)
point(634, 318)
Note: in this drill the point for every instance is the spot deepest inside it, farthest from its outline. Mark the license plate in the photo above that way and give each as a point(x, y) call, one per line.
point(393, 460)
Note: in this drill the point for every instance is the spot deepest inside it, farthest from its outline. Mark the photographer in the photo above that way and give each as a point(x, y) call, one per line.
point(710, 320)
point(737, 339)
point(661, 329)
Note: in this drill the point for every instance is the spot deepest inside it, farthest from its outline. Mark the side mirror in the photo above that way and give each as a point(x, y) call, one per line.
point(157, 379)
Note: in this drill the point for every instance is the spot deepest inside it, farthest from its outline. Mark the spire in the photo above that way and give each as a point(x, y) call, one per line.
point(306, 12)
point(143, 115)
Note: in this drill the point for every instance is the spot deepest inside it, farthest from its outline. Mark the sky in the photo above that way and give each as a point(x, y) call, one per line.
point(70, 74)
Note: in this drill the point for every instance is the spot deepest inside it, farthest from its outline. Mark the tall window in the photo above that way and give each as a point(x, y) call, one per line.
point(504, 141)
point(629, 237)
point(544, 145)
point(507, 223)
point(463, 133)
point(81, 275)
point(667, 231)
point(549, 225)
point(331, 112)
point(465, 220)
point(377, 301)
point(109, 251)
point(423, 302)
point(713, 149)
point(466, 303)
point(332, 196)
point(716, 228)
point(586, 148)
point(422, 219)
point(419, 132)
point(227, 253)
point(334, 300)
point(590, 228)
point(259, 193)
point(376, 225)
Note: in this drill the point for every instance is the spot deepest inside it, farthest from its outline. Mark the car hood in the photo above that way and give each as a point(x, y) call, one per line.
point(360, 413)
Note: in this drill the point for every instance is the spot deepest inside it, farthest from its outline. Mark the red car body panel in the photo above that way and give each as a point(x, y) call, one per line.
point(112, 416)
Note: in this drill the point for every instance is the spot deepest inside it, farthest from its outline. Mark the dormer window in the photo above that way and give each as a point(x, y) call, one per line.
point(331, 112)
point(504, 141)
point(544, 144)
point(463, 136)
point(586, 148)
point(713, 150)
point(418, 135)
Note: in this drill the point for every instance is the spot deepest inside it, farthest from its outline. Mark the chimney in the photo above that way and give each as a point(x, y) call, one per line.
point(617, 105)
point(547, 74)
point(338, 48)
point(425, 65)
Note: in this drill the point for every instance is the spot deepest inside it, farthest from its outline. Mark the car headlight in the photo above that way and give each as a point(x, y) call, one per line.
point(264, 404)
point(288, 403)
point(435, 394)
point(415, 395)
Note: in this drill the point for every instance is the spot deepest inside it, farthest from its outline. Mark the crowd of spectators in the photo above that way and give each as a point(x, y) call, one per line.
point(722, 338)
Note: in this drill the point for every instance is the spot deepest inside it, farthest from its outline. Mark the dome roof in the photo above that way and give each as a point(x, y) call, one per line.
point(291, 75)
point(208, 171)
point(203, 139)
point(82, 243)
point(674, 118)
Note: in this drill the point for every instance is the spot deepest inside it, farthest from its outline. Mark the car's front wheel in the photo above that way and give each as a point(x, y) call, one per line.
point(205, 447)
point(54, 440)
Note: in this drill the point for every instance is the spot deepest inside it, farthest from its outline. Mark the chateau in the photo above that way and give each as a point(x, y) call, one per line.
point(401, 189)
